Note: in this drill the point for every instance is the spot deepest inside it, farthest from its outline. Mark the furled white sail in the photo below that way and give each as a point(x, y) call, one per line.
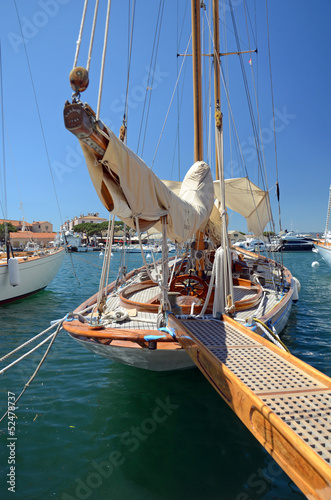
point(129, 188)
point(241, 196)
point(247, 199)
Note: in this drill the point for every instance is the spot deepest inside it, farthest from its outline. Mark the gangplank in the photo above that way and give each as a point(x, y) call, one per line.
point(285, 403)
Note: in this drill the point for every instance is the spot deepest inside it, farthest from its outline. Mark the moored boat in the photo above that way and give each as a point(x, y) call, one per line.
point(292, 242)
point(128, 319)
point(24, 275)
point(323, 245)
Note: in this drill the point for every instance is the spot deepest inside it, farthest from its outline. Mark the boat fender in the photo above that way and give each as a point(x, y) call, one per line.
point(150, 338)
point(170, 331)
point(296, 290)
point(14, 272)
point(120, 316)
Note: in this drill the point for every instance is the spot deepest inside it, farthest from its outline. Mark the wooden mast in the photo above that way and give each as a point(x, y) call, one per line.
point(197, 80)
point(197, 111)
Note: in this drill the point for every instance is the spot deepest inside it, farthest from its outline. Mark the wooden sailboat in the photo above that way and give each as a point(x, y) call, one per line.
point(323, 245)
point(128, 320)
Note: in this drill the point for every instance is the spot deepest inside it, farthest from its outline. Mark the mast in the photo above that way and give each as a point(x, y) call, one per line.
point(217, 85)
point(197, 113)
point(197, 80)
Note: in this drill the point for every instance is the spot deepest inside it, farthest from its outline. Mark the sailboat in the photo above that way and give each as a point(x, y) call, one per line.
point(27, 273)
point(24, 273)
point(323, 245)
point(127, 320)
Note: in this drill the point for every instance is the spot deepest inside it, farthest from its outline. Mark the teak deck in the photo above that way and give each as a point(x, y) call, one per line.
point(284, 402)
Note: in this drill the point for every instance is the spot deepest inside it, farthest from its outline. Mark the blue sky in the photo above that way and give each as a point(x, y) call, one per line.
point(300, 46)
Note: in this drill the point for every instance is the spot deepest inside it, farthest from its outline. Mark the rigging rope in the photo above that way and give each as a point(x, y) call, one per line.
point(273, 118)
point(150, 80)
point(4, 197)
point(54, 335)
point(172, 98)
point(79, 41)
point(38, 111)
point(249, 102)
point(103, 59)
point(92, 35)
point(125, 115)
point(102, 293)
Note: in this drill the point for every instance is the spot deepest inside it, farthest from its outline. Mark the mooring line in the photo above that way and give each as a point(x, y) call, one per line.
point(54, 335)
point(51, 337)
point(32, 339)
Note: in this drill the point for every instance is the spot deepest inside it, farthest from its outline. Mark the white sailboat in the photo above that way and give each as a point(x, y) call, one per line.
point(24, 275)
point(323, 245)
point(128, 319)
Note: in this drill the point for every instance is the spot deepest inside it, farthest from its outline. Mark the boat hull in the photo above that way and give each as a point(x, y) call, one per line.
point(35, 274)
point(129, 342)
point(157, 360)
point(325, 252)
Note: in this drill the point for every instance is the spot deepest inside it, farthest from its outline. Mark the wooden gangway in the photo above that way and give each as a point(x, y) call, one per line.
point(285, 403)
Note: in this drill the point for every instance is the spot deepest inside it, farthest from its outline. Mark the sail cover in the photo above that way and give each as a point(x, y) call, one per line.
point(247, 199)
point(129, 188)
point(243, 197)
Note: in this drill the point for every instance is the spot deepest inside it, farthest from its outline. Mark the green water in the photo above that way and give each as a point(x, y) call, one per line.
point(87, 428)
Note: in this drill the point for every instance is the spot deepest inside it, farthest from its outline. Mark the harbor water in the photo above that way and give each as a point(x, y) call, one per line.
point(87, 428)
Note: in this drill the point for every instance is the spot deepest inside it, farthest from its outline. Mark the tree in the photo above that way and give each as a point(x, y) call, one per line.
point(90, 228)
point(10, 229)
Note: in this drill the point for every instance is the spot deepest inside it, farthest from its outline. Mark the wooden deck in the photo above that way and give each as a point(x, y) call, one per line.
point(284, 402)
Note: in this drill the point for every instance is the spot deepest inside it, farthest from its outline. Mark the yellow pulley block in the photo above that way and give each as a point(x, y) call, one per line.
point(122, 132)
point(218, 118)
point(79, 79)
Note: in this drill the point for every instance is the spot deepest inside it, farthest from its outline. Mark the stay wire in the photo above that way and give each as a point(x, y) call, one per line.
point(150, 80)
point(4, 197)
point(217, 59)
point(263, 165)
point(125, 115)
point(273, 118)
point(171, 100)
point(249, 102)
point(38, 111)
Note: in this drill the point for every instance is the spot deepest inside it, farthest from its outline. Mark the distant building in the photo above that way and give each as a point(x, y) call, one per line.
point(21, 238)
point(236, 236)
point(89, 218)
point(18, 224)
point(42, 227)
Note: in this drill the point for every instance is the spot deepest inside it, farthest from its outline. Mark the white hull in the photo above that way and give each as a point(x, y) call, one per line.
point(160, 359)
point(166, 358)
point(325, 253)
point(35, 274)
point(155, 360)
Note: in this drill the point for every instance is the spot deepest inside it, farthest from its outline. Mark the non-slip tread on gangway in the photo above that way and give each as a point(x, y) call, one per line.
point(284, 402)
